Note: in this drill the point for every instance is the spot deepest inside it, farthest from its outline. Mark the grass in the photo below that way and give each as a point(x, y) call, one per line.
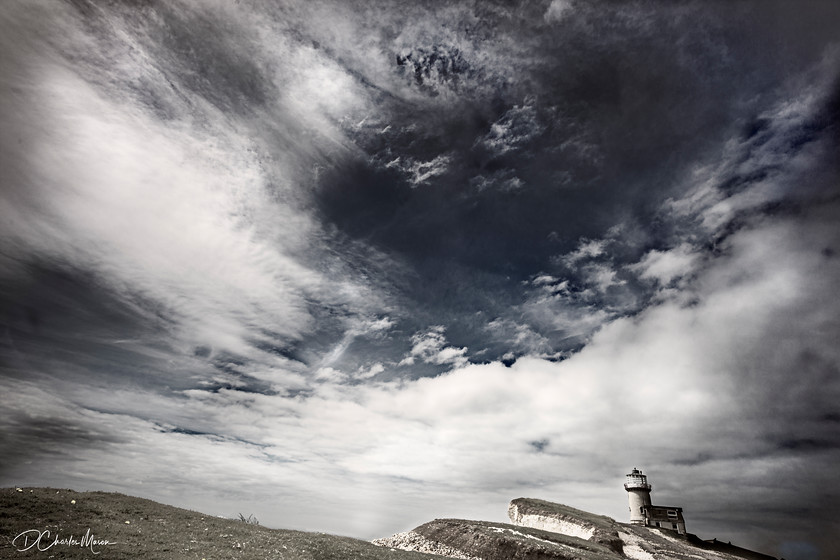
point(139, 528)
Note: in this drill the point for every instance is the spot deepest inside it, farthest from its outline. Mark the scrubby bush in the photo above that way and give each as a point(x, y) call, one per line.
point(250, 520)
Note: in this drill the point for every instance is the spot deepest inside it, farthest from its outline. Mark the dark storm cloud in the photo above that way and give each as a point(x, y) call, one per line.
point(413, 251)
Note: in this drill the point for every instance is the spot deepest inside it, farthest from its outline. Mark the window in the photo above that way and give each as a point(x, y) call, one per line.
point(672, 513)
point(673, 525)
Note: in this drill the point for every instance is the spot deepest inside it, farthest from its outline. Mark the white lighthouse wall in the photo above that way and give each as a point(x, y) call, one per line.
point(637, 499)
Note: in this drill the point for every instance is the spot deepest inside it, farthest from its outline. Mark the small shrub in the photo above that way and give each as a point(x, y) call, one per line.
point(250, 520)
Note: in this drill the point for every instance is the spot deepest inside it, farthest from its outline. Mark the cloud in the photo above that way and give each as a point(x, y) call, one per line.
point(544, 280)
point(420, 172)
point(587, 249)
point(764, 165)
point(666, 266)
point(600, 275)
point(519, 338)
point(182, 215)
point(372, 371)
point(431, 348)
point(557, 10)
point(512, 131)
point(504, 180)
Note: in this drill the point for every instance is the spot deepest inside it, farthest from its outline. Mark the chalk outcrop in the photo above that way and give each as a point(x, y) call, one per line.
point(418, 543)
point(485, 540)
point(566, 526)
point(557, 518)
point(544, 530)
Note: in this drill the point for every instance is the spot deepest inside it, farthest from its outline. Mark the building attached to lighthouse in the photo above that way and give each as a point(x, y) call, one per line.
point(643, 512)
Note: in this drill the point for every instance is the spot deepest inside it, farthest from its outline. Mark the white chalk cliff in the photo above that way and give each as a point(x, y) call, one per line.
point(542, 530)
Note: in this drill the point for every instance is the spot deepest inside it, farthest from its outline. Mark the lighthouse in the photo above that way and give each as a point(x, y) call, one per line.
point(638, 492)
point(642, 512)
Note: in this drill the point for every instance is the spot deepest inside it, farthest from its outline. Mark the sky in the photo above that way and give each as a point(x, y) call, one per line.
point(352, 266)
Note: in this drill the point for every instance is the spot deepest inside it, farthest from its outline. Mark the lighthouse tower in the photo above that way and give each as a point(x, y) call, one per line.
point(638, 492)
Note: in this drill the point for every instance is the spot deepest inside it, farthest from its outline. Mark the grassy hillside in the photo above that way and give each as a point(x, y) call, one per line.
point(140, 528)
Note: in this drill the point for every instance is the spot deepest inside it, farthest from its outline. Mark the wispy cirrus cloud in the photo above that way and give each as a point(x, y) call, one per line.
point(154, 208)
